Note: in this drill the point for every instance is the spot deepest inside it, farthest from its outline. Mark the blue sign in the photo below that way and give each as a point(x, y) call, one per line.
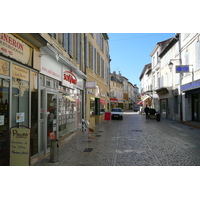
point(190, 86)
point(182, 68)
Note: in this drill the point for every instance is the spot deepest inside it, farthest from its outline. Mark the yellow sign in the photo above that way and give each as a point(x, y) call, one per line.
point(20, 147)
point(20, 73)
point(13, 47)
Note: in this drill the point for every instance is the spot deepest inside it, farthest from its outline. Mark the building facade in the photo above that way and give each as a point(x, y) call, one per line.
point(176, 77)
point(97, 62)
point(43, 86)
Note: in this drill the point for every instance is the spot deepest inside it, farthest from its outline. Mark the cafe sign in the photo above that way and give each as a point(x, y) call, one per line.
point(12, 47)
point(20, 146)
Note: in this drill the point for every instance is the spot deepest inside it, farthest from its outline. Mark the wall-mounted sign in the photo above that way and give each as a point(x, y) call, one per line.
point(20, 146)
point(20, 73)
point(69, 77)
point(182, 68)
point(13, 47)
point(91, 84)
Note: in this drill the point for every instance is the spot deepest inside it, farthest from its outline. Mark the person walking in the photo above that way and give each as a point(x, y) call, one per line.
point(146, 110)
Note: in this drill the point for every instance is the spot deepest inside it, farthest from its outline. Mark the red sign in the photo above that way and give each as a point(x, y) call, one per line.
point(70, 77)
point(107, 116)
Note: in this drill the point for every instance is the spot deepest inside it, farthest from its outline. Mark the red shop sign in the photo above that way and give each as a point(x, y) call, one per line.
point(70, 77)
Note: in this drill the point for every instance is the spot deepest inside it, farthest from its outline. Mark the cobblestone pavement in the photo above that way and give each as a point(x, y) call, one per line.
point(133, 141)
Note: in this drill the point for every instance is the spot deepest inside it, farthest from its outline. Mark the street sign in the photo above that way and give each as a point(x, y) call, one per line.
point(182, 68)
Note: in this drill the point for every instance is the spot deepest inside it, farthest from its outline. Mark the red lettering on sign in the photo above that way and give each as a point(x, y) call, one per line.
point(11, 41)
point(70, 77)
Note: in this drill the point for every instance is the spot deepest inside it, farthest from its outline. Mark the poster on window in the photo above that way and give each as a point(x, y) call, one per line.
point(20, 117)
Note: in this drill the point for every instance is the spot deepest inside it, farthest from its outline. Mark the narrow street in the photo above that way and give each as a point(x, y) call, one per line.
point(133, 141)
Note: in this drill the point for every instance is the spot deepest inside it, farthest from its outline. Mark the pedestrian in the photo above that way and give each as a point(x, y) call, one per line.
point(146, 110)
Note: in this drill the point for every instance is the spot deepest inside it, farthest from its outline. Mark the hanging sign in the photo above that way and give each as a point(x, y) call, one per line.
point(182, 68)
point(20, 146)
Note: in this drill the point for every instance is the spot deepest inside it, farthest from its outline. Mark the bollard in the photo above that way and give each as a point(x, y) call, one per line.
point(54, 151)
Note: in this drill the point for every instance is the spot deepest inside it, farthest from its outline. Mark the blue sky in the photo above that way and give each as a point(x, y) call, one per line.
point(130, 52)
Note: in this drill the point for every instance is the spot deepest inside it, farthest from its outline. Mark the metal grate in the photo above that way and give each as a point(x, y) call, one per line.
point(88, 149)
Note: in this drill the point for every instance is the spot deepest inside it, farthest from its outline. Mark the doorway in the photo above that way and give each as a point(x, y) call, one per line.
point(4, 121)
point(48, 119)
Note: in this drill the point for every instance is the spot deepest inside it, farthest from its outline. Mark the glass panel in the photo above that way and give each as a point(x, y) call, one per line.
point(42, 116)
point(4, 67)
point(34, 113)
point(51, 119)
point(20, 96)
point(4, 122)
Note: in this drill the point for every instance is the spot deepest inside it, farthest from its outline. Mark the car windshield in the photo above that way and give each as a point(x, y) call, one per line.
point(116, 110)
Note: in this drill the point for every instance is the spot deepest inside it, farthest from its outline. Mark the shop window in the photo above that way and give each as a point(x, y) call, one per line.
point(4, 67)
point(20, 96)
point(48, 83)
point(92, 107)
point(67, 112)
point(41, 80)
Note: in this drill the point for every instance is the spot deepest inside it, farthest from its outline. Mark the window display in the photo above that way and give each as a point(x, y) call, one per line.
point(67, 112)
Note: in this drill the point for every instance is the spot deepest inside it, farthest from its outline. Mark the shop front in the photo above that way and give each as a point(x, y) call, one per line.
point(191, 102)
point(61, 98)
point(18, 89)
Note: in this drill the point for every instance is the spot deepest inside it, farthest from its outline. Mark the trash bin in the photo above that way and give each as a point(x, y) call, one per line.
point(158, 116)
point(54, 151)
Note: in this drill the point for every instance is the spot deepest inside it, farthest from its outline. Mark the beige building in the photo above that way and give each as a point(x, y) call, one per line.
point(97, 62)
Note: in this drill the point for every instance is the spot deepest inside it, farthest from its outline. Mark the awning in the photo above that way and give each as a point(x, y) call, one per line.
point(162, 90)
point(113, 100)
point(140, 102)
point(145, 98)
point(70, 98)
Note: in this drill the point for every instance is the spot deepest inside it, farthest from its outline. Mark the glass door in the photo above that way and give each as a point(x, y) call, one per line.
point(51, 117)
point(4, 121)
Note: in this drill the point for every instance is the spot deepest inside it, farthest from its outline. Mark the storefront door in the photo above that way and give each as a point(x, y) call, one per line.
point(4, 121)
point(48, 119)
point(51, 117)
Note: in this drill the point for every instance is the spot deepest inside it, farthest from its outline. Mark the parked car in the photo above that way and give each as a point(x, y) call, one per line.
point(117, 113)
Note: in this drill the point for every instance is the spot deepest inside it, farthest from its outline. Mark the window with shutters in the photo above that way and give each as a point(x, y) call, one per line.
point(98, 64)
point(90, 56)
point(102, 69)
point(70, 47)
point(53, 35)
point(197, 55)
point(86, 52)
point(65, 41)
point(94, 60)
point(78, 48)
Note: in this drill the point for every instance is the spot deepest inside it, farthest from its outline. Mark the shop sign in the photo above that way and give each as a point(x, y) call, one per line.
point(20, 146)
point(182, 68)
point(90, 84)
point(191, 85)
point(13, 47)
point(71, 80)
point(69, 77)
point(20, 73)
